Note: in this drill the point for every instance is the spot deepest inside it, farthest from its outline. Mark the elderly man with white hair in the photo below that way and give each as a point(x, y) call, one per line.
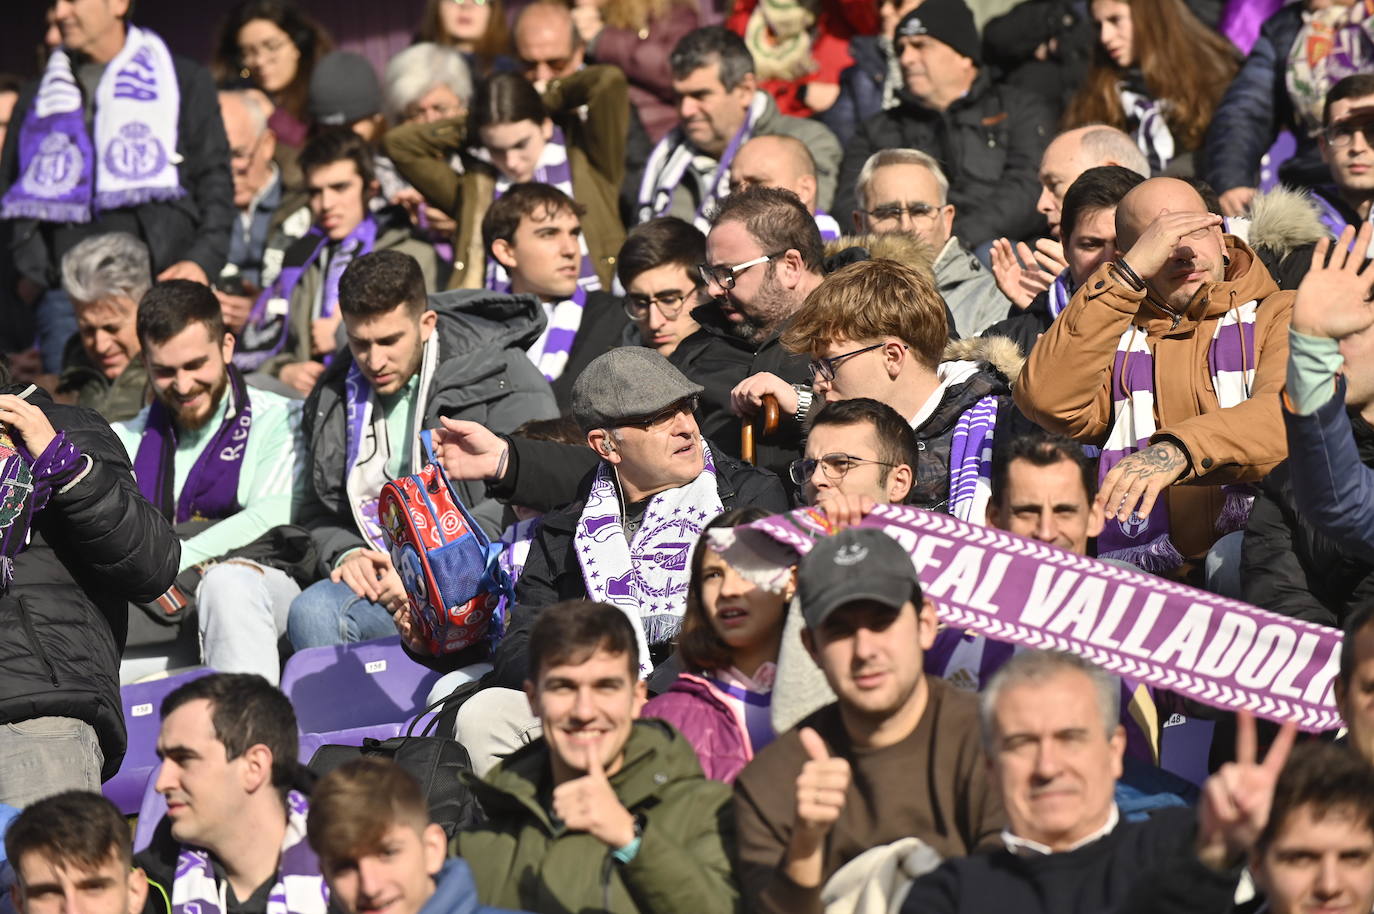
point(905, 190)
point(102, 366)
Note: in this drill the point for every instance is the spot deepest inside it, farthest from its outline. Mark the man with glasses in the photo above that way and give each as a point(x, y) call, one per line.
point(547, 43)
point(1347, 147)
point(987, 136)
point(905, 190)
point(763, 258)
point(658, 268)
point(269, 195)
point(627, 539)
point(877, 329)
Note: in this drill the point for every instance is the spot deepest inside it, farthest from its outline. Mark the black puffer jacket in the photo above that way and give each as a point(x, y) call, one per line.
point(1288, 567)
point(989, 145)
point(552, 572)
point(93, 549)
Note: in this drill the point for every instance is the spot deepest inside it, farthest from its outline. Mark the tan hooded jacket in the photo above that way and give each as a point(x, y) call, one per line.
point(1066, 383)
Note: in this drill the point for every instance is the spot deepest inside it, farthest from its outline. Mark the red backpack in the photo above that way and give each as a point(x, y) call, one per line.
point(446, 561)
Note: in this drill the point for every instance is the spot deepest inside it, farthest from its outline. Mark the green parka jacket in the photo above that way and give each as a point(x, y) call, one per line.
point(524, 859)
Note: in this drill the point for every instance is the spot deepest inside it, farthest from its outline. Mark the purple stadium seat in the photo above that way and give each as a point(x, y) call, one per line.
point(140, 702)
point(1184, 746)
point(151, 808)
point(354, 686)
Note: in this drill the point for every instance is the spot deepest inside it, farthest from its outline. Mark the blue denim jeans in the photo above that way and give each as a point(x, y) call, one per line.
point(329, 612)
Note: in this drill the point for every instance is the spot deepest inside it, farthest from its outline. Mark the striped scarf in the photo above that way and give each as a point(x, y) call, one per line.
point(671, 159)
point(1151, 131)
point(970, 461)
point(1060, 292)
point(551, 351)
point(1145, 541)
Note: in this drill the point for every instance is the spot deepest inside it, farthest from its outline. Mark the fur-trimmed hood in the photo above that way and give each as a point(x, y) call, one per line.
point(899, 246)
point(1000, 353)
point(1283, 220)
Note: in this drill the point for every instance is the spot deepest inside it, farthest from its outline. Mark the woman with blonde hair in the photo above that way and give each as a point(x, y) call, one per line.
point(1158, 73)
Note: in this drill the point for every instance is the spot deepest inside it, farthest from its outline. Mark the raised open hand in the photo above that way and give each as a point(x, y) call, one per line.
point(1334, 298)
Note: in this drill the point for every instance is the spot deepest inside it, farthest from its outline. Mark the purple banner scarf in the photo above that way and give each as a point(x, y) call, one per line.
point(970, 461)
point(211, 489)
point(269, 323)
point(1222, 652)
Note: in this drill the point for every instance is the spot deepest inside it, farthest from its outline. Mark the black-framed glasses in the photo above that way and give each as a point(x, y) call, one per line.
point(669, 302)
point(824, 367)
point(664, 417)
point(893, 212)
point(723, 275)
point(834, 466)
point(1342, 134)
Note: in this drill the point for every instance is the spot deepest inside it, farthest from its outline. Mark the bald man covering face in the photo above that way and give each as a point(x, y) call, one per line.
point(1170, 358)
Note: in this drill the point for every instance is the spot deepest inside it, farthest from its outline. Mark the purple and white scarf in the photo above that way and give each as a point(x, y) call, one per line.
point(299, 889)
point(1060, 293)
point(365, 473)
point(970, 462)
point(646, 578)
point(1145, 541)
point(672, 157)
point(1151, 132)
point(550, 352)
point(211, 489)
point(63, 175)
point(269, 324)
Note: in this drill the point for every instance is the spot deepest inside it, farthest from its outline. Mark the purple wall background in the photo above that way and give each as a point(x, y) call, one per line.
point(374, 28)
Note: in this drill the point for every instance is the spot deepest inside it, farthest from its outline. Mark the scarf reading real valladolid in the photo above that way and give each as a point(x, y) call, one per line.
point(1144, 541)
point(65, 175)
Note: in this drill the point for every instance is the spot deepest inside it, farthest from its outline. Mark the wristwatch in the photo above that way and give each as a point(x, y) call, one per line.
point(804, 399)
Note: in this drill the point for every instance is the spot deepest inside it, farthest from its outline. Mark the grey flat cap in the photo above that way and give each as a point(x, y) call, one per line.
point(632, 382)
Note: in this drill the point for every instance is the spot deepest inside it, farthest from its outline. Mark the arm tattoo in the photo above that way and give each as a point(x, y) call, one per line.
point(1155, 460)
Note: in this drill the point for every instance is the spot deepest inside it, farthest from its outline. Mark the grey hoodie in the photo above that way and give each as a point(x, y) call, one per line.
point(482, 375)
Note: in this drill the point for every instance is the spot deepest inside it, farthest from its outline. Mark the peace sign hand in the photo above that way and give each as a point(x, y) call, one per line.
point(1236, 800)
point(1334, 298)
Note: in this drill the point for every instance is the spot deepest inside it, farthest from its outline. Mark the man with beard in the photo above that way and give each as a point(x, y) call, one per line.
point(763, 257)
point(217, 459)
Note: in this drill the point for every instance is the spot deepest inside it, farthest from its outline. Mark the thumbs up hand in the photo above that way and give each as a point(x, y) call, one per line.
point(821, 788)
point(590, 804)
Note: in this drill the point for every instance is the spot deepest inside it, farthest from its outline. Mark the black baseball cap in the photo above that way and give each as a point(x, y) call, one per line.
point(859, 563)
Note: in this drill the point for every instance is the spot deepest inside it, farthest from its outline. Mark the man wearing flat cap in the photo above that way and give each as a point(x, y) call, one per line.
point(628, 539)
point(987, 137)
point(893, 768)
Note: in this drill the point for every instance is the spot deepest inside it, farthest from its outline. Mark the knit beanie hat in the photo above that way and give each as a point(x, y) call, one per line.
point(949, 21)
point(343, 89)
